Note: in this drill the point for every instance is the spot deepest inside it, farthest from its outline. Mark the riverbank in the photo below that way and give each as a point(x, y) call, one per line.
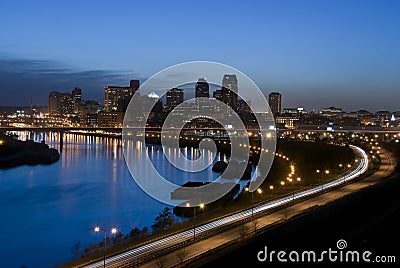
point(15, 153)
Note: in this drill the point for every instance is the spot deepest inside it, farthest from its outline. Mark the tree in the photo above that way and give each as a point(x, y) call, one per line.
point(181, 255)
point(161, 262)
point(118, 238)
point(76, 248)
point(163, 221)
point(242, 231)
point(255, 224)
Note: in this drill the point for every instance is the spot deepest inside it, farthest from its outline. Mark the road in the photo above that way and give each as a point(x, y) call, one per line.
point(367, 219)
point(223, 230)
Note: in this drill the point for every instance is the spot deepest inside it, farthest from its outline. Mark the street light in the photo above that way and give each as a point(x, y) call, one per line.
point(113, 231)
point(247, 189)
point(194, 217)
point(271, 187)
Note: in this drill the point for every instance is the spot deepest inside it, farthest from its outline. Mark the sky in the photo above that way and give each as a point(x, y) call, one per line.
point(315, 53)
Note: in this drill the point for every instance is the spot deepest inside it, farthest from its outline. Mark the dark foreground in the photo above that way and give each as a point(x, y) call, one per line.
point(366, 220)
point(15, 153)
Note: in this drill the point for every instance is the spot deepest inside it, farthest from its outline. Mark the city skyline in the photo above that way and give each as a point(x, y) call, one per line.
point(317, 54)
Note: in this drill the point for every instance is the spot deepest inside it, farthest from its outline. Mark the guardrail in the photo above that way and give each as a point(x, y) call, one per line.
point(153, 249)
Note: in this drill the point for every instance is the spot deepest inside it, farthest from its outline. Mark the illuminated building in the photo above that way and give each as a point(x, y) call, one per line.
point(116, 99)
point(275, 103)
point(60, 103)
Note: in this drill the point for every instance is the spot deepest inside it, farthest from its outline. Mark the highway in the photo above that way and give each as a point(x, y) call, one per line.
point(164, 245)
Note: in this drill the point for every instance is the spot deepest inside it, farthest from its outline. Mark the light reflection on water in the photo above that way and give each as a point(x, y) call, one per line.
point(47, 209)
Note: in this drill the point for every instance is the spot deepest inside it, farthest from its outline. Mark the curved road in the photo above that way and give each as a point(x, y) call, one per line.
point(139, 254)
point(228, 224)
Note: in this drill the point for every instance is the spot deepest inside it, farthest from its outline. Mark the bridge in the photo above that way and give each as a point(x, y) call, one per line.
point(301, 129)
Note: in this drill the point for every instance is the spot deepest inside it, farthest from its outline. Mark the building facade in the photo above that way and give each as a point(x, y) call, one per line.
point(60, 103)
point(230, 91)
point(175, 96)
point(275, 103)
point(116, 99)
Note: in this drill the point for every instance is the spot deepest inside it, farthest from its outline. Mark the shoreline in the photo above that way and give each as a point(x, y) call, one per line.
point(14, 153)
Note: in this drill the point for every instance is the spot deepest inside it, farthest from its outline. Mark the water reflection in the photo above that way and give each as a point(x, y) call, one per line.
point(47, 209)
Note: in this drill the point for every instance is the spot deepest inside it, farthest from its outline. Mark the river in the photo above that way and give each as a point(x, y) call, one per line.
point(45, 210)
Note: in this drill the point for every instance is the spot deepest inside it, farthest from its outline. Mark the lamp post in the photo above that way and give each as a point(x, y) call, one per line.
point(194, 217)
point(113, 231)
point(319, 172)
point(252, 203)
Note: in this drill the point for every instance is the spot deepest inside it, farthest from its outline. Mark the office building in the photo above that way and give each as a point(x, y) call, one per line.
point(275, 103)
point(76, 98)
point(217, 94)
point(175, 96)
point(110, 119)
point(202, 88)
point(60, 103)
point(116, 99)
point(230, 91)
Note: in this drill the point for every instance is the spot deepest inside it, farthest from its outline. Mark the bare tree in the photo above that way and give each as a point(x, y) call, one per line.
point(255, 225)
point(161, 262)
point(181, 255)
point(242, 231)
point(76, 248)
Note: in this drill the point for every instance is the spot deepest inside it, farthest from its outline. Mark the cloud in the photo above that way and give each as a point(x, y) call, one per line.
point(25, 80)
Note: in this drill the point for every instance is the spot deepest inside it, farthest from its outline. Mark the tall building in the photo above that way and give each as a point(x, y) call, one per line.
point(175, 96)
point(134, 85)
point(88, 112)
point(202, 88)
point(76, 98)
point(217, 94)
point(230, 91)
point(275, 103)
point(60, 103)
point(110, 119)
point(116, 99)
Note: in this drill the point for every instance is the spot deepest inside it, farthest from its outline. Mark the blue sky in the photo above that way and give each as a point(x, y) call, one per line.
point(316, 53)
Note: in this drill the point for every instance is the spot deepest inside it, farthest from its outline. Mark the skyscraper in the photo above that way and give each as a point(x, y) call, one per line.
point(175, 96)
point(275, 103)
point(134, 85)
point(230, 90)
point(118, 98)
point(202, 88)
point(217, 94)
point(60, 103)
point(76, 98)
